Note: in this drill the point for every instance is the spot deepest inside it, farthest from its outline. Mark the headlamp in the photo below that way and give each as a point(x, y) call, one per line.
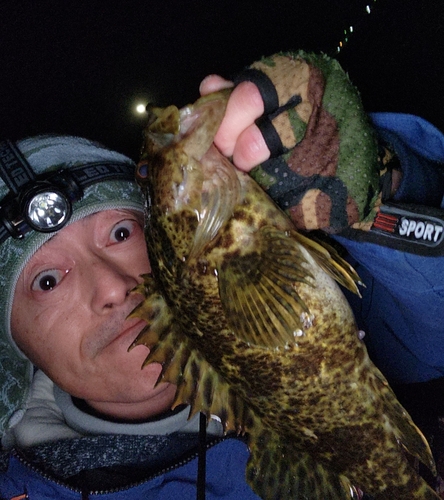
point(44, 202)
point(45, 205)
point(48, 211)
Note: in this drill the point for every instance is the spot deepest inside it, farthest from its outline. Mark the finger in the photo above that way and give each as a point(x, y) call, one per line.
point(244, 107)
point(250, 149)
point(213, 83)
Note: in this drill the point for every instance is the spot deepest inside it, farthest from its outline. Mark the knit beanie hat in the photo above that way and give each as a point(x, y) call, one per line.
point(95, 179)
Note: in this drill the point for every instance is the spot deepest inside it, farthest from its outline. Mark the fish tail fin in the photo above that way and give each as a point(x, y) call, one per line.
point(405, 446)
point(399, 423)
point(414, 442)
point(415, 445)
point(276, 470)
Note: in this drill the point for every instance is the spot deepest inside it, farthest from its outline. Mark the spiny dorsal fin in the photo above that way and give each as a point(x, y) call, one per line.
point(154, 311)
point(206, 391)
point(198, 383)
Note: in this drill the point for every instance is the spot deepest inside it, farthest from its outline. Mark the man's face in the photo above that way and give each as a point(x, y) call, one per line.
point(69, 315)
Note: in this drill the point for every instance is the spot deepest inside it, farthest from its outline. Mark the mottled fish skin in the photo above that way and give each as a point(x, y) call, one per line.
point(246, 318)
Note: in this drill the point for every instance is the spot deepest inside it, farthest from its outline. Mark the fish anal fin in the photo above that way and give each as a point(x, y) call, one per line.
point(330, 260)
point(171, 352)
point(147, 287)
point(173, 371)
point(259, 293)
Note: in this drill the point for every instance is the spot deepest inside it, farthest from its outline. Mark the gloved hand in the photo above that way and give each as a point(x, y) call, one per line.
point(323, 166)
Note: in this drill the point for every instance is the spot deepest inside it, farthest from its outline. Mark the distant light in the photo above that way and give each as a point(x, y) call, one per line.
point(141, 108)
point(368, 9)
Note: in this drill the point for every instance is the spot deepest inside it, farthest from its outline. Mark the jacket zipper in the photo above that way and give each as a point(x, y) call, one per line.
point(85, 495)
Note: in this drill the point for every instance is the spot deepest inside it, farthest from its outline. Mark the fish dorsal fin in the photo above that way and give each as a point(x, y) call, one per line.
point(153, 310)
point(206, 391)
point(198, 383)
point(221, 191)
point(258, 294)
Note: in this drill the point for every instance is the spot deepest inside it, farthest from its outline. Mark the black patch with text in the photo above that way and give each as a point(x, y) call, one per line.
point(406, 227)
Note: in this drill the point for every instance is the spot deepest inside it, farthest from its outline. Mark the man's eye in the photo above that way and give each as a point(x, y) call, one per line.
point(47, 280)
point(122, 231)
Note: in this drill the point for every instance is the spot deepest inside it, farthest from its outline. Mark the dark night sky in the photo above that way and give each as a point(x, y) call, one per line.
point(78, 67)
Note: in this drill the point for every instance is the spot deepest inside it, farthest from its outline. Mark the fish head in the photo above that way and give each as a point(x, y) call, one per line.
point(183, 176)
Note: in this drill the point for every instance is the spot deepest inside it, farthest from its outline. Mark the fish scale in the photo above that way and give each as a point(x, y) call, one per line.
point(246, 318)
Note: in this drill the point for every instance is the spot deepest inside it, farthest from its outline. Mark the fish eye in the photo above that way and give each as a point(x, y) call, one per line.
point(142, 170)
point(47, 280)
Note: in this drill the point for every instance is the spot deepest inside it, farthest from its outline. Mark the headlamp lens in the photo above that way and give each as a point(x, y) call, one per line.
point(48, 211)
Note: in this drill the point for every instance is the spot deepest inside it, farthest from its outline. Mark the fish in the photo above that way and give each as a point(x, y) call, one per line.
point(246, 316)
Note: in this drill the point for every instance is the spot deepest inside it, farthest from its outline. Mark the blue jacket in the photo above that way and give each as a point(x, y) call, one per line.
point(225, 479)
point(402, 309)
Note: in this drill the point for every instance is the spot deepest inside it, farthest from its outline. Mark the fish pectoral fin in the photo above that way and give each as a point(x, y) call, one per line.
point(221, 191)
point(258, 291)
point(276, 470)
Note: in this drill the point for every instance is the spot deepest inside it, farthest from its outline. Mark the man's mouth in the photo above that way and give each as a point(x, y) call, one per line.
point(131, 329)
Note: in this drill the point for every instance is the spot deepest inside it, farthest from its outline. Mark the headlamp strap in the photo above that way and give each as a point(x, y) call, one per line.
point(15, 171)
point(90, 173)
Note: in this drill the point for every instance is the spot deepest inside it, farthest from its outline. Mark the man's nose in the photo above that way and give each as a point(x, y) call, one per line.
point(111, 283)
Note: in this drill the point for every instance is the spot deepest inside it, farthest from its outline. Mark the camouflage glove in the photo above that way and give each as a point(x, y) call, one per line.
point(324, 168)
